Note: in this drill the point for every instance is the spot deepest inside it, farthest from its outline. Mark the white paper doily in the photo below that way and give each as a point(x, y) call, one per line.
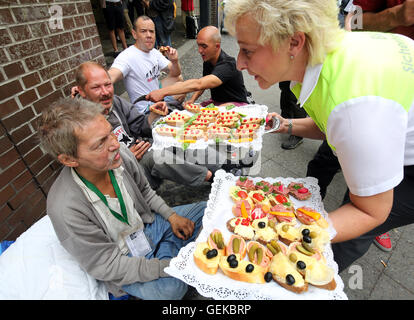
point(251, 110)
point(221, 287)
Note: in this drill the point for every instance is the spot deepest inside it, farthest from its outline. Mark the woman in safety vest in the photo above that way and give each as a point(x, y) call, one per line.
point(357, 88)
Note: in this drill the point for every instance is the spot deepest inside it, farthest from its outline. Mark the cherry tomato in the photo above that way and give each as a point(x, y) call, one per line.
point(258, 197)
point(303, 190)
point(281, 199)
point(242, 194)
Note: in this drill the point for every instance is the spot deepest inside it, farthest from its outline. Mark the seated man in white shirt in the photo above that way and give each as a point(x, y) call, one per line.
point(141, 65)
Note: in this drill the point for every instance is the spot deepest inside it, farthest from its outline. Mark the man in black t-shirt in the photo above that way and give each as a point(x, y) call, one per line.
point(220, 75)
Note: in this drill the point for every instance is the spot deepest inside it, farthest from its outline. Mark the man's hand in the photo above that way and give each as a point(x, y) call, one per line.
point(182, 227)
point(172, 54)
point(139, 149)
point(155, 95)
point(156, 110)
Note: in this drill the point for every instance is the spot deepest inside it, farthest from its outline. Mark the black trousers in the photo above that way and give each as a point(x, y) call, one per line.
point(288, 103)
point(323, 167)
point(402, 213)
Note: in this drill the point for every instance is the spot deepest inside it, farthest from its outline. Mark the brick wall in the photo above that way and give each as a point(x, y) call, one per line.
point(38, 55)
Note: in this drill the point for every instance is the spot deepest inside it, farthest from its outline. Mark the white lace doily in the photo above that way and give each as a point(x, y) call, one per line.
point(251, 110)
point(221, 287)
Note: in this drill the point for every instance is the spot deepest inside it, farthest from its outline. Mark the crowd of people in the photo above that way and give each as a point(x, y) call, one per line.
point(103, 205)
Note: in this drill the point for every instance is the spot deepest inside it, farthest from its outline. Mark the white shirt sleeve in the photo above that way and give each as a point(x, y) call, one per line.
point(369, 136)
point(121, 63)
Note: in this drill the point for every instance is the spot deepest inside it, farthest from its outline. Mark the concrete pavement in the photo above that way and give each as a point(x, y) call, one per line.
point(377, 275)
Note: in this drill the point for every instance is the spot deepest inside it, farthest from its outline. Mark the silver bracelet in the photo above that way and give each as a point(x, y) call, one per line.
point(290, 126)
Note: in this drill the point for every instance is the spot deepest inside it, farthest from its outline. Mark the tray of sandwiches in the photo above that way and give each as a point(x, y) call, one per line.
point(198, 127)
point(262, 238)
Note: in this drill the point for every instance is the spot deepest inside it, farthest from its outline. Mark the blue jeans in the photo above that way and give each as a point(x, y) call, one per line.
point(165, 245)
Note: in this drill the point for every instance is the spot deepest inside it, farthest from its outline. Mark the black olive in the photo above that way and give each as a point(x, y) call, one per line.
point(249, 268)
point(290, 280)
point(231, 257)
point(307, 239)
point(261, 225)
point(233, 263)
point(301, 265)
point(211, 253)
point(305, 232)
point(268, 276)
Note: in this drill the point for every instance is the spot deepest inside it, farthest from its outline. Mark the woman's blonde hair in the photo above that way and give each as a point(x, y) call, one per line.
point(280, 19)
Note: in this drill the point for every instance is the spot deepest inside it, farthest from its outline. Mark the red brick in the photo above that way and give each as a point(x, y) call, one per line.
point(5, 38)
point(60, 81)
point(42, 163)
point(22, 180)
point(17, 230)
point(39, 29)
point(6, 17)
point(28, 97)
point(51, 56)
point(8, 158)
point(10, 89)
point(69, 10)
point(90, 19)
point(18, 118)
point(53, 70)
point(5, 143)
point(33, 156)
point(68, 23)
point(46, 101)
point(6, 194)
point(30, 14)
point(37, 211)
point(20, 134)
point(26, 48)
point(58, 40)
point(44, 175)
point(31, 80)
point(23, 195)
point(8, 107)
point(14, 69)
point(4, 212)
point(84, 7)
point(80, 21)
point(9, 174)
point(4, 232)
point(20, 33)
point(3, 58)
point(44, 89)
point(27, 145)
point(34, 63)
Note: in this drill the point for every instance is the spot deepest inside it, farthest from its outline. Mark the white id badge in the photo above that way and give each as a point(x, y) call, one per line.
point(137, 243)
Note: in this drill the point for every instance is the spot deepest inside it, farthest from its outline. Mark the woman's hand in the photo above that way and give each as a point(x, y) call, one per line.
point(283, 123)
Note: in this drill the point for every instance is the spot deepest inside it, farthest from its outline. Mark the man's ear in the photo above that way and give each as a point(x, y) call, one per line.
point(297, 42)
point(82, 92)
point(68, 161)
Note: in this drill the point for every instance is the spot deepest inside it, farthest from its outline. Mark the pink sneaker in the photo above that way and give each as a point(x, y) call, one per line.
point(383, 242)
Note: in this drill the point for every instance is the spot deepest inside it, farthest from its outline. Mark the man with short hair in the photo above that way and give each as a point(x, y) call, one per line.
point(103, 210)
point(141, 64)
point(133, 129)
point(220, 75)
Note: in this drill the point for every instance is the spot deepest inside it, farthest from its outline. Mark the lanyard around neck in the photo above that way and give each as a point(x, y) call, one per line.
point(90, 185)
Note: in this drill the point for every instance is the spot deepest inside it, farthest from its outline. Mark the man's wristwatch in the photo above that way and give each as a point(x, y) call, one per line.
point(290, 126)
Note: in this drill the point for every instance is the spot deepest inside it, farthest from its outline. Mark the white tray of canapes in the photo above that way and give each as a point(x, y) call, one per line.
point(217, 215)
point(166, 135)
